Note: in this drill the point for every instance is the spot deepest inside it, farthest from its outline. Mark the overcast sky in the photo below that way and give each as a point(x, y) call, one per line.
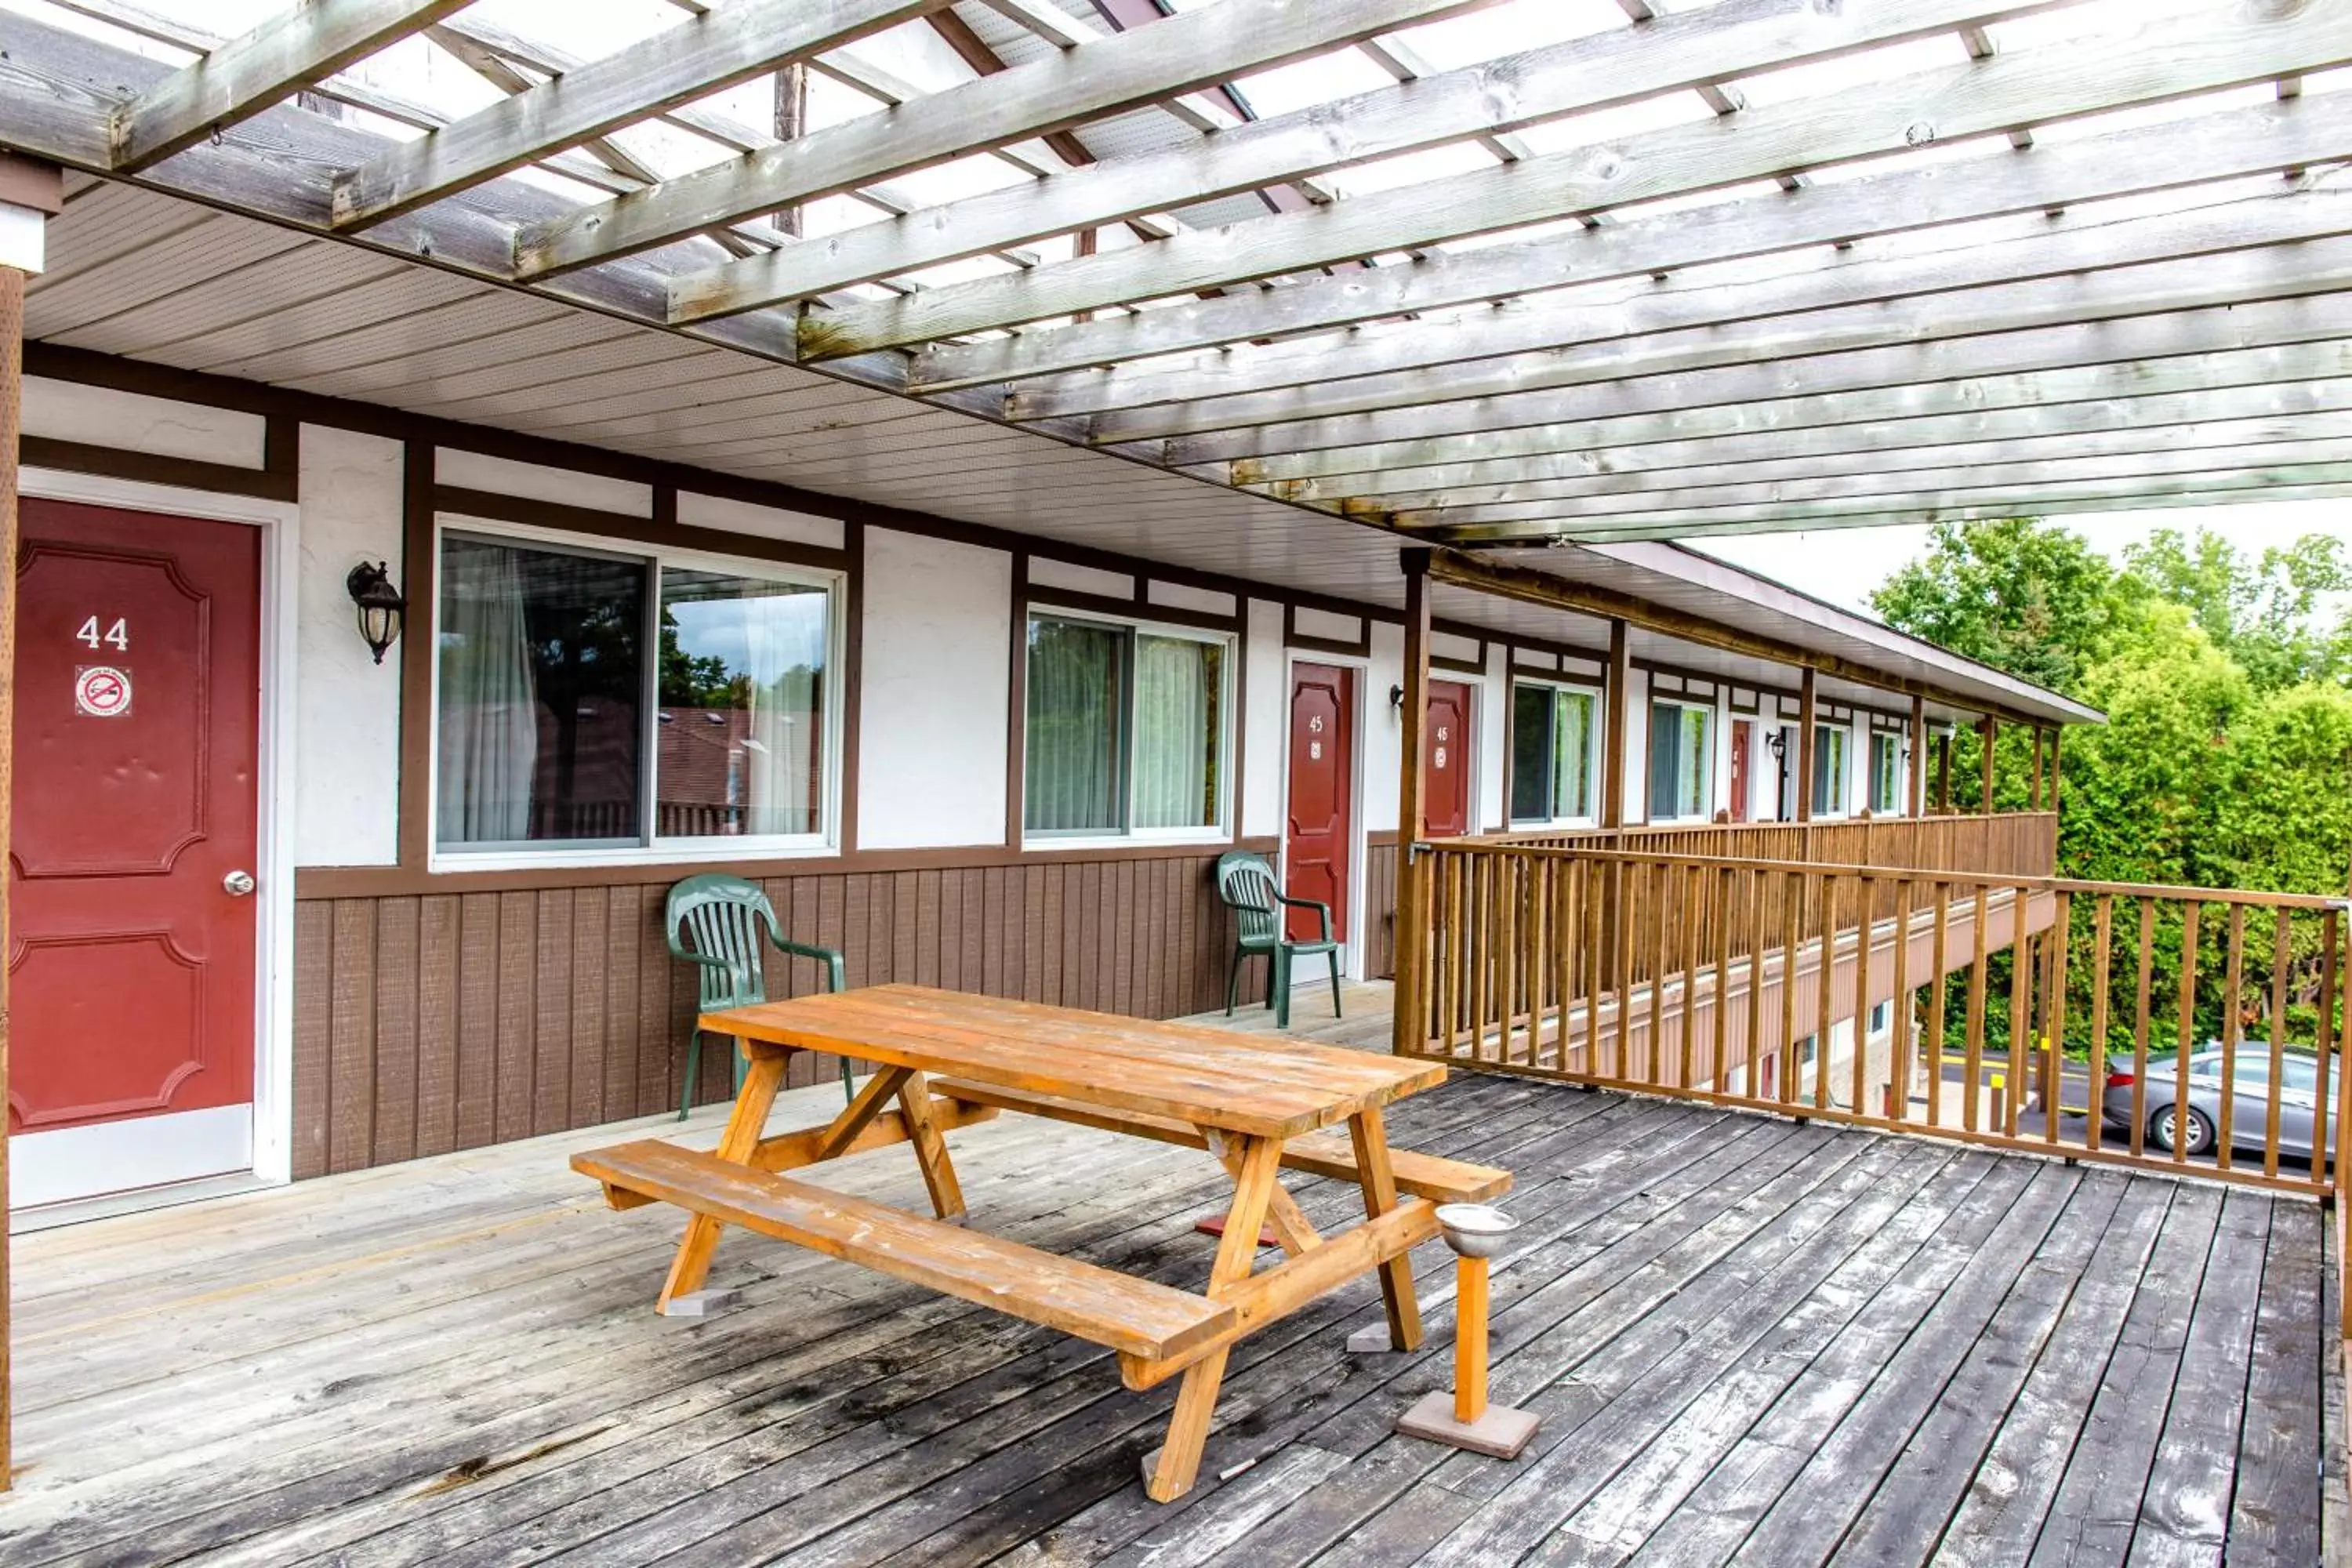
point(1844, 565)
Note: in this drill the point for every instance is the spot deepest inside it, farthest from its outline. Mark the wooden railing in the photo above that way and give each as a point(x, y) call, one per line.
point(2009, 844)
point(1741, 980)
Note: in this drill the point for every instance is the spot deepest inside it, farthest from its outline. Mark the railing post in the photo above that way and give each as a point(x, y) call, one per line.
point(1916, 782)
point(1409, 1021)
point(1992, 728)
point(1805, 705)
point(1619, 716)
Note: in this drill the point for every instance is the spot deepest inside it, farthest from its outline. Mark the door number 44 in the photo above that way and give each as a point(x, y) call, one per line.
point(117, 636)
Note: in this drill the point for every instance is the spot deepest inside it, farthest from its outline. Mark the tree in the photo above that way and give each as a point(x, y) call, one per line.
point(2016, 594)
point(2263, 614)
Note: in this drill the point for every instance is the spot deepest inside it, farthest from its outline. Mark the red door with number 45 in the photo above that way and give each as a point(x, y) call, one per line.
point(132, 936)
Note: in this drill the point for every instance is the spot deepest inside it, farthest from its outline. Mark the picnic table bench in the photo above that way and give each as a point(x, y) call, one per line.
point(1258, 1104)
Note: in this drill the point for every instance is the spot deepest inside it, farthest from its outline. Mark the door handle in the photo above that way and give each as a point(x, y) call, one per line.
point(237, 884)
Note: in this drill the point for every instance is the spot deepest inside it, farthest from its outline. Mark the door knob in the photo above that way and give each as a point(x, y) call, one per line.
point(237, 884)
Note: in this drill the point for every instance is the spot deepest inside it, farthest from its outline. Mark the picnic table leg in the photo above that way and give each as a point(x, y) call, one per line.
point(1178, 1463)
point(744, 1125)
point(1293, 1231)
point(931, 1148)
point(1371, 1141)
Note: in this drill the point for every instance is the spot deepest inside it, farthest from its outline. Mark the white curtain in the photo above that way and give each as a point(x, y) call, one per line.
point(782, 632)
point(1175, 750)
point(489, 719)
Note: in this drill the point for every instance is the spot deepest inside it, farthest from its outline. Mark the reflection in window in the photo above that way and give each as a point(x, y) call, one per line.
point(742, 741)
point(1682, 762)
point(1551, 753)
point(540, 684)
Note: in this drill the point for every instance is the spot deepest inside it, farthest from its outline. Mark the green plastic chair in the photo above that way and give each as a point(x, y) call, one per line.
point(1246, 882)
point(715, 922)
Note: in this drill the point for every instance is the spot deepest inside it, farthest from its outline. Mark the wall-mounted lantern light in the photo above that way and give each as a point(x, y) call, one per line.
point(1396, 698)
point(381, 607)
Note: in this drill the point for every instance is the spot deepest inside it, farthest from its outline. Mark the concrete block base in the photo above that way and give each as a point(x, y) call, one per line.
point(1501, 1432)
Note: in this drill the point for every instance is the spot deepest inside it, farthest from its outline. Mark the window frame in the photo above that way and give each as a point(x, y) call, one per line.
point(1593, 749)
point(650, 848)
point(1228, 730)
point(1895, 741)
point(1707, 751)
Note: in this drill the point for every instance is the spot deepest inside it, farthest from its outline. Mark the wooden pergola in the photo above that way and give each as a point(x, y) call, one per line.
point(1755, 264)
point(1667, 272)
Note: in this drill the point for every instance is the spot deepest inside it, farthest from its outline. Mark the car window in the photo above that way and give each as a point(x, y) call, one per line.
point(2302, 1074)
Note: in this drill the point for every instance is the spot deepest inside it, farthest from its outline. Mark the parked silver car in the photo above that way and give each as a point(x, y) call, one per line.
point(2303, 1101)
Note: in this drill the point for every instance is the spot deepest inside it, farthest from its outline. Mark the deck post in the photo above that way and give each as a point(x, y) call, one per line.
point(2033, 790)
point(1944, 773)
point(1620, 715)
point(1805, 710)
point(1916, 783)
point(1991, 740)
point(30, 192)
point(2055, 733)
point(1407, 1010)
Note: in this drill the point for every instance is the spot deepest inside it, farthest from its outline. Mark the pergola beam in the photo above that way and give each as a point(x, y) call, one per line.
point(252, 73)
point(2226, 487)
point(1604, 68)
point(1069, 88)
point(2229, 416)
point(1986, 97)
point(2153, 289)
point(2317, 460)
point(2220, 145)
point(2313, 319)
point(706, 54)
point(2080, 393)
point(2160, 449)
point(1499, 343)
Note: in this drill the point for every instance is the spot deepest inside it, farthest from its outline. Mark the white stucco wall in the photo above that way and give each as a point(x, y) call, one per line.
point(935, 693)
point(1383, 743)
point(1633, 715)
point(347, 707)
point(132, 422)
point(1264, 714)
point(1494, 738)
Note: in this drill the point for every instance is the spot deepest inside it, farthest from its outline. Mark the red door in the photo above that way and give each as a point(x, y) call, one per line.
point(132, 933)
point(1321, 825)
point(1740, 733)
point(1446, 760)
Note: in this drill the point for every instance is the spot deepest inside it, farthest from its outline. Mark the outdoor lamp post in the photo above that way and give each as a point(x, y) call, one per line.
point(1463, 1420)
point(381, 607)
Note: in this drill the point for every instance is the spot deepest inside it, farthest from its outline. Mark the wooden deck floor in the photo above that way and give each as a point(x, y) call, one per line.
point(1751, 1342)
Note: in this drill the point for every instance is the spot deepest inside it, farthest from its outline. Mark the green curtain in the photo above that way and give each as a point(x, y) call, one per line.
point(1076, 709)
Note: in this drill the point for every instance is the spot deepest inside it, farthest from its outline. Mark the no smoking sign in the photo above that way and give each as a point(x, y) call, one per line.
point(102, 691)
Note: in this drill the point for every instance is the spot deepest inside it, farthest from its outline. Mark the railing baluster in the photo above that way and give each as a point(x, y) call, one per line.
point(1825, 992)
point(2233, 1028)
point(2102, 930)
point(2188, 1025)
point(1940, 1004)
point(1720, 1072)
point(1621, 974)
point(1752, 1057)
point(2053, 1013)
point(2330, 1147)
point(2281, 955)
point(2020, 1004)
point(1662, 898)
point(1792, 917)
point(1695, 919)
point(1864, 907)
point(1899, 1012)
point(2144, 1010)
point(1972, 1086)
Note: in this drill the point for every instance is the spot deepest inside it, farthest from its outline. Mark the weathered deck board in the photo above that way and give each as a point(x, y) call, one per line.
point(1752, 1340)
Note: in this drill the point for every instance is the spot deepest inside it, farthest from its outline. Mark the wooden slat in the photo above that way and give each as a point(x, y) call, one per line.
point(1135, 1317)
point(248, 74)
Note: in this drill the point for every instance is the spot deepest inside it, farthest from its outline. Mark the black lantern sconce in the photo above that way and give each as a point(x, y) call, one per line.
point(1396, 698)
point(381, 607)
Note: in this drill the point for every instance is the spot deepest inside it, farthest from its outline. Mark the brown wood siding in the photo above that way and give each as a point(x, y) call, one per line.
point(1380, 912)
point(450, 1021)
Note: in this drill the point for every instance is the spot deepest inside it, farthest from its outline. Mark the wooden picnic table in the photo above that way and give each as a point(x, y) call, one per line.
point(947, 1059)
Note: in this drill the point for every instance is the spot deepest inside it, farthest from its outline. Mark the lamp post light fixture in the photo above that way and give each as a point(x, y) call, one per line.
point(381, 607)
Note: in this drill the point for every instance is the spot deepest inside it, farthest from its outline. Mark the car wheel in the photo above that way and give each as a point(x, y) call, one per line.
point(2196, 1136)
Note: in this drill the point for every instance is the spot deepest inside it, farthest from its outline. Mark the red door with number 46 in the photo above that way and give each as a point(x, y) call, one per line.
point(132, 936)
